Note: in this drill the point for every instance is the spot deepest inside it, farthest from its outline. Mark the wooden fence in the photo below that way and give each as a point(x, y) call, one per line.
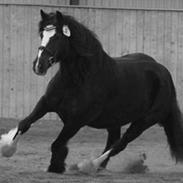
point(158, 33)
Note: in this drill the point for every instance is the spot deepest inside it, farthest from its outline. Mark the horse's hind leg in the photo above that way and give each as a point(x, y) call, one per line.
point(135, 129)
point(113, 136)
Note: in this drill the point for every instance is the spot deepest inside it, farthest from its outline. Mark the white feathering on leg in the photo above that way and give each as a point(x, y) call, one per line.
point(91, 166)
point(96, 162)
point(7, 144)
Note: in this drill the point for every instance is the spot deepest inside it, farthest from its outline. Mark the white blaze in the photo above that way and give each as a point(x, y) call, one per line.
point(48, 32)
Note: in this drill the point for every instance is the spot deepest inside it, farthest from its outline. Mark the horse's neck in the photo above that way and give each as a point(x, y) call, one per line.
point(76, 69)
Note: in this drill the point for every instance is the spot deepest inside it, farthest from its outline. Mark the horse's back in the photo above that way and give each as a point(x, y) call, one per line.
point(134, 57)
point(139, 63)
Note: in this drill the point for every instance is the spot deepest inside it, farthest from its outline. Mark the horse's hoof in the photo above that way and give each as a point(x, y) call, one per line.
point(100, 169)
point(56, 169)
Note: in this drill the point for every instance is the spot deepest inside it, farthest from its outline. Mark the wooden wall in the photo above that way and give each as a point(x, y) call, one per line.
point(158, 33)
point(158, 4)
point(163, 4)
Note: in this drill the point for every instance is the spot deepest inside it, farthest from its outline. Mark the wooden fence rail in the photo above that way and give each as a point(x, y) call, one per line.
point(158, 33)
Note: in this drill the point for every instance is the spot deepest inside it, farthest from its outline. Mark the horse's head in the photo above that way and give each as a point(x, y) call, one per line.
point(54, 34)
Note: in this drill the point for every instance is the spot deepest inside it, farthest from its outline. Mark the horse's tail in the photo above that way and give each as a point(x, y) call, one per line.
point(173, 127)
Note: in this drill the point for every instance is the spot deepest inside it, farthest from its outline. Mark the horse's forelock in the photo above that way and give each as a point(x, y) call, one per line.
point(50, 20)
point(80, 34)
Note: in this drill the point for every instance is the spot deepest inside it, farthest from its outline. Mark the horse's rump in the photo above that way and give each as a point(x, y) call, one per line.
point(137, 85)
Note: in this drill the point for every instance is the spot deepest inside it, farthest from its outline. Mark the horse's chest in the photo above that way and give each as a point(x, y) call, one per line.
point(74, 104)
point(71, 105)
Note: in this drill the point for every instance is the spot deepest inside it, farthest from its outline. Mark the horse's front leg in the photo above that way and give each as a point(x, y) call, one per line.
point(59, 147)
point(39, 111)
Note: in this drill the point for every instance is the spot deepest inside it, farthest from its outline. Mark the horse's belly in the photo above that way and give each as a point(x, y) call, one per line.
point(122, 107)
point(117, 116)
point(127, 105)
point(107, 121)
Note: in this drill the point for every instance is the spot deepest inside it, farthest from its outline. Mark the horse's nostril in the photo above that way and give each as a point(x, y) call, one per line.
point(51, 60)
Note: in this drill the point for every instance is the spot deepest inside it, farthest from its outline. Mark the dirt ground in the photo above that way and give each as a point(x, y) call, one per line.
point(31, 160)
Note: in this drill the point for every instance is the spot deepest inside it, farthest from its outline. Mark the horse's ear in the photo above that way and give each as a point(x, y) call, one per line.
point(66, 31)
point(43, 14)
point(59, 16)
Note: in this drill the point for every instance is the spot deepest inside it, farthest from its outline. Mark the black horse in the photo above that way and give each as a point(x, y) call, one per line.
point(93, 89)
